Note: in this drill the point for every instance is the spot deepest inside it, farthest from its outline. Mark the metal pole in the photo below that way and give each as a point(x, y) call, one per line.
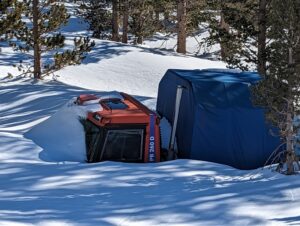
point(176, 113)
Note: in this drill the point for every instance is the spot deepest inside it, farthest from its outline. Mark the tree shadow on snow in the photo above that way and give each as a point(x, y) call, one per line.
point(27, 104)
point(105, 50)
point(289, 220)
point(178, 192)
point(109, 49)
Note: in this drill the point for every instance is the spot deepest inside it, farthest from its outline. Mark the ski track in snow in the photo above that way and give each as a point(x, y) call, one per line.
point(181, 192)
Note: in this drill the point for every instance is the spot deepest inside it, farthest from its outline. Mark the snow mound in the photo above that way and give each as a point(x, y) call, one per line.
point(62, 135)
point(135, 70)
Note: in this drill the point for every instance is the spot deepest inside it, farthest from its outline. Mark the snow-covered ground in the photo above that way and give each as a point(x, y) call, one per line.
point(113, 66)
point(195, 44)
point(38, 190)
point(181, 192)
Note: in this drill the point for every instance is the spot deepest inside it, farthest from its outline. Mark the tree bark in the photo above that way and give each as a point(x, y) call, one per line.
point(166, 15)
point(125, 21)
point(223, 44)
point(261, 48)
point(157, 16)
point(36, 40)
point(290, 155)
point(181, 26)
point(139, 39)
point(157, 21)
point(115, 21)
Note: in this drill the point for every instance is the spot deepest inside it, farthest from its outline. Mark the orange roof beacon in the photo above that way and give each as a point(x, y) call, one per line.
point(122, 130)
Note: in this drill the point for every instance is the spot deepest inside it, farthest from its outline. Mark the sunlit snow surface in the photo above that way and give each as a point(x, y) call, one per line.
point(66, 191)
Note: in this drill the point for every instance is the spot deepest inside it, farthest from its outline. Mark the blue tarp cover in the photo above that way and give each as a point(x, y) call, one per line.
point(217, 120)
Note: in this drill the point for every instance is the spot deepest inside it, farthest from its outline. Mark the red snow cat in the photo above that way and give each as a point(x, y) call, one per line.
point(123, 129)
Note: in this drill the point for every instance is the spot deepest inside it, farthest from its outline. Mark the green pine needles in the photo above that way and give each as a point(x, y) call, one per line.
point(35, 25)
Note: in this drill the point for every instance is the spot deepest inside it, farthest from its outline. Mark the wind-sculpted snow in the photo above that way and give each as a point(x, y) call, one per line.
point(181, 192)
point(60, 192)
point(114, 66)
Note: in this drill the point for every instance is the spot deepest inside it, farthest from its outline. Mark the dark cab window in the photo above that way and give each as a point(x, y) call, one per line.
point(126, 145)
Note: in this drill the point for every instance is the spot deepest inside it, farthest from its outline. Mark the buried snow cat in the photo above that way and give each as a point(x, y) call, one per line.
point(123, 129)
point(211, 113)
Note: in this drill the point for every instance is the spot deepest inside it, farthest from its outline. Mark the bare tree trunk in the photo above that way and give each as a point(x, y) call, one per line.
point(223, 44)
point(157, 21)
point(297, 57)
point(140, 39)
point(290, 155)
point(181, 17)
point(156, 16)
point(115, 21)
point(36, 40)
point(261, 50)
point(125, 21)
point(166, 15)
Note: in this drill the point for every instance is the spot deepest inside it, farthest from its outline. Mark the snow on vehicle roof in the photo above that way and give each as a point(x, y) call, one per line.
point(62, 135)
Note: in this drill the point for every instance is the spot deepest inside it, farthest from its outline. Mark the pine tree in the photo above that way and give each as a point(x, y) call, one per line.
point(10, 17)
point(41, 34)
point(168, 9)
point(103, 17)
point(47, 17)
point(262, 38)
point(181, 26)
point(115, 20)
point(36, 35)
point(139, 17)
point(224, 28)
point(98, 15)
point(163, 14)
point(142, 23)
point(82, 45)
point(279, 92)
point(189, 16)
point(251, 23)
point(238, 33)
point(220, 29)
point(125, 12)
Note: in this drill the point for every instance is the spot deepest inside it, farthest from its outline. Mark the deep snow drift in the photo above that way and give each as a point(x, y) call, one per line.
point(181, 192)
point(113, 66)
point(62, 135)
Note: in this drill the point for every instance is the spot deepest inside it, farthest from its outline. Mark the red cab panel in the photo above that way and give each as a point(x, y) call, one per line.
point(122, 130)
